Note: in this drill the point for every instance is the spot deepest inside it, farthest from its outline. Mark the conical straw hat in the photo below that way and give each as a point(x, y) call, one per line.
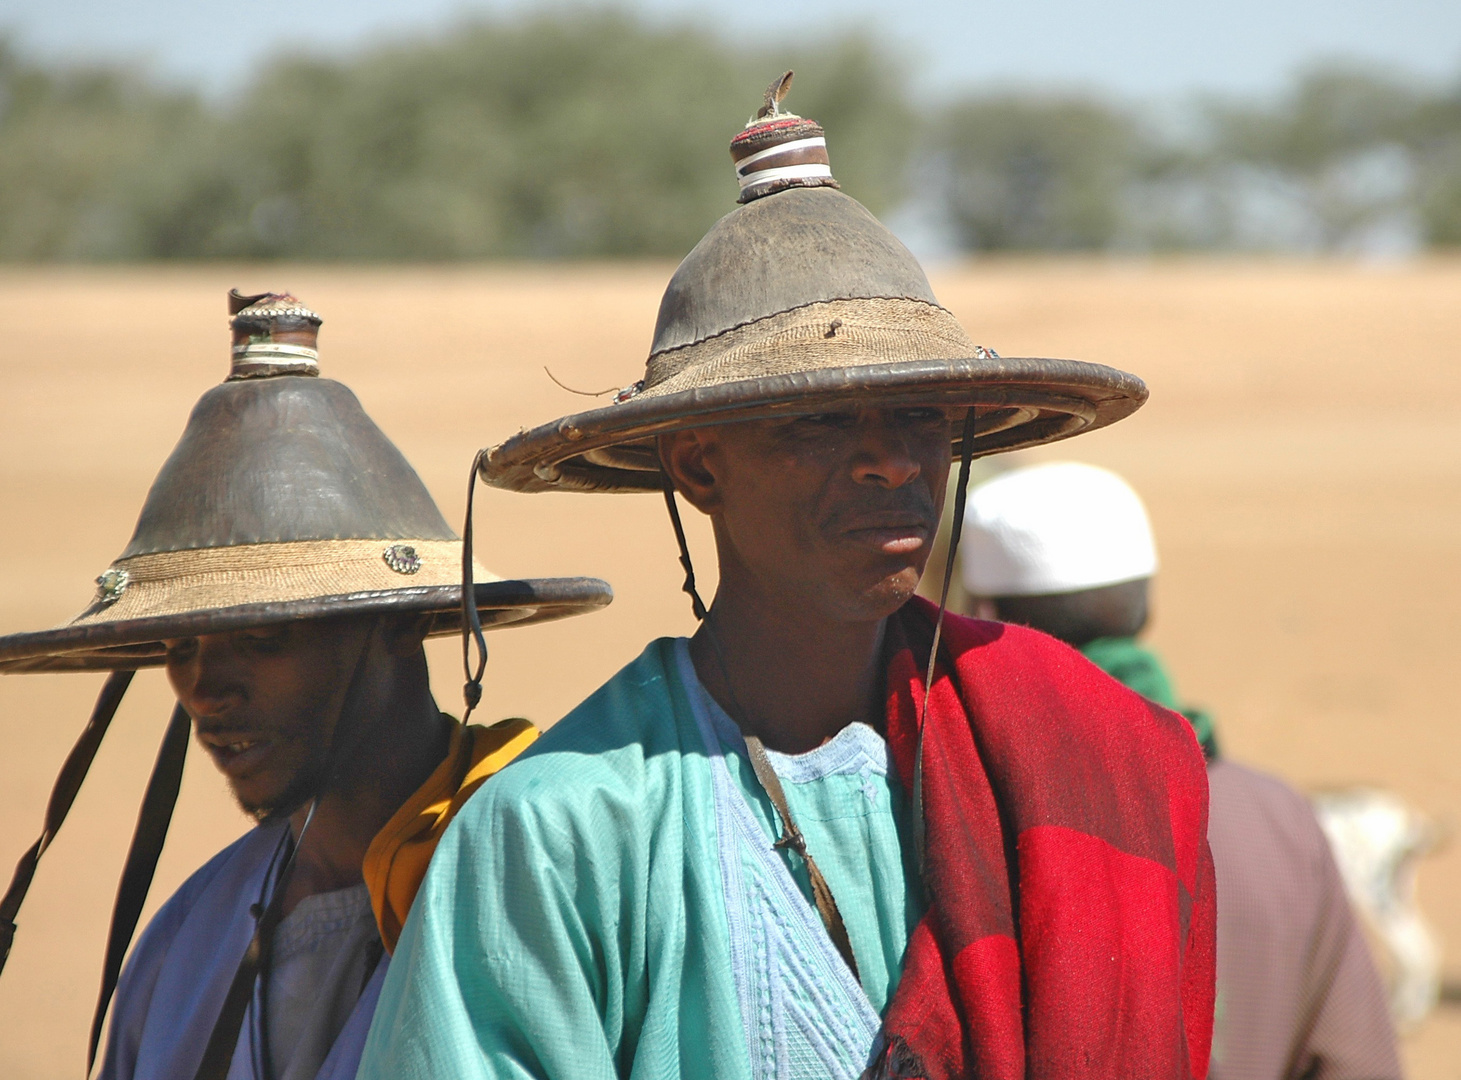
point(282, 500)
point(797, 302)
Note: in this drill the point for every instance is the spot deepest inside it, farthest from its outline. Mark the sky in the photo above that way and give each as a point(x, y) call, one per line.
point(1140, 50)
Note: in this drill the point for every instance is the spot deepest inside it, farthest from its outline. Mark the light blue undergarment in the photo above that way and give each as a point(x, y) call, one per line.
point(178, 975)
point(804, 1013)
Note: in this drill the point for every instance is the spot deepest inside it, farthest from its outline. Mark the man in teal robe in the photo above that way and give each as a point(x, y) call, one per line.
point(738, 859)
point(635, 921)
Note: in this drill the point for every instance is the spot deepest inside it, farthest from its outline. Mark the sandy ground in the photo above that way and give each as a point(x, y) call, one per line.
point(1301, 457)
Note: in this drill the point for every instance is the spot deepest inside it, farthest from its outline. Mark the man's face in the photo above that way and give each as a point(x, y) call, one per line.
point(838, 510)
point(265, 702)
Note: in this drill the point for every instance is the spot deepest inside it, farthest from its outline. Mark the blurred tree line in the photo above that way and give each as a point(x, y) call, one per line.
point(585, 134)
point(1348, 160)
point(588, 134)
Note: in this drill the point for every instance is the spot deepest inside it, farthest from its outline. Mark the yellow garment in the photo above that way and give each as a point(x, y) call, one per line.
point(397, 858)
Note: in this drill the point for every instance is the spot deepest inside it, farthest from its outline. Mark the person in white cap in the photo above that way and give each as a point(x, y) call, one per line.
point(1067, 548)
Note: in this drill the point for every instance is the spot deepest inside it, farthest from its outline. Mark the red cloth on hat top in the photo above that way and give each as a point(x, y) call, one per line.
point(1071, 922)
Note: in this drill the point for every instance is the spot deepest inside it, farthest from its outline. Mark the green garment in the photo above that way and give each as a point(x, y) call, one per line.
point(575, 919)
point(1129, 662)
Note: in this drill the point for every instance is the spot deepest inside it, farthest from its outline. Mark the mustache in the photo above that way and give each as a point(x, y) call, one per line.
point(879, 508)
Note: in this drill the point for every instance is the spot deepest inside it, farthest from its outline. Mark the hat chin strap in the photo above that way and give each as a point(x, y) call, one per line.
point(697, 605)
point(152, 823)
point(153, 820)
point(956, 530)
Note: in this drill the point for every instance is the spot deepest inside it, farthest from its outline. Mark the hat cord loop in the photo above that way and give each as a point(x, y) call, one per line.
point(471, 618)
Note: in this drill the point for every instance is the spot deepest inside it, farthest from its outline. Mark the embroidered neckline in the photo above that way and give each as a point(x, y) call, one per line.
point(857, 748)
point(791, 984)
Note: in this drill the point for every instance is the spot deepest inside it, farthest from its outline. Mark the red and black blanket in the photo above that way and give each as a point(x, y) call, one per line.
point(1071, 918)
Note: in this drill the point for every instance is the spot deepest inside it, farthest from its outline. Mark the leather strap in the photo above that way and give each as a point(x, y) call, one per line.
point(63, 794)
point(218, 1055)
point(153, 820)
point(791, 837)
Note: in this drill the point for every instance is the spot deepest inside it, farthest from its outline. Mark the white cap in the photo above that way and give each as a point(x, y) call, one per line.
point(1054, 528)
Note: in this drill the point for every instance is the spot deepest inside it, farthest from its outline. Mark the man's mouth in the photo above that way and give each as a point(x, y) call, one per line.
point(236, 753)
point(890, 535)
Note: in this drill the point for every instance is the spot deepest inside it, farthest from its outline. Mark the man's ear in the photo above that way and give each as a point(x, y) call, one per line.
point(682, 455)
point(402, 635)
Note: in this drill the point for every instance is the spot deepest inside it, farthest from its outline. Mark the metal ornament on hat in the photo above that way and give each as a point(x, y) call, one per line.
point(111, 584)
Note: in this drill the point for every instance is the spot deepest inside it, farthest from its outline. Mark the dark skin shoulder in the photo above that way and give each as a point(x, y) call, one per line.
point(269, 705)
point(823, 525)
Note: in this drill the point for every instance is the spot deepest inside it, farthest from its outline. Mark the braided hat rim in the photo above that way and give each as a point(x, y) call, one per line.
point(137, 643)
point(1022, 402)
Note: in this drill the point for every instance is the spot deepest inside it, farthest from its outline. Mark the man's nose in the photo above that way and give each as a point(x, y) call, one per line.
point(883, 455)
point(210, 681)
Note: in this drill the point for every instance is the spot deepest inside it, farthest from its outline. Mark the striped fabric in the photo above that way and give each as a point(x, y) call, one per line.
point(1071, 924)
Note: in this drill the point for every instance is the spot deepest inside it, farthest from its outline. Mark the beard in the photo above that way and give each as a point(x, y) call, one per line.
point(304, 785)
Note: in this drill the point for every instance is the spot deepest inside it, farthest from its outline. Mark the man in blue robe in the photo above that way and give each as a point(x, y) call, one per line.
point(286, 568)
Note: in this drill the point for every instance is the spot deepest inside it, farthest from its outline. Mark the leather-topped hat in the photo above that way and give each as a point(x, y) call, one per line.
point(282, 500)
point(798, 302)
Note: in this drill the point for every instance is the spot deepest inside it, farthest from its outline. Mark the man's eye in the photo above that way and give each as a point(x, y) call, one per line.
point(922, 416)
point(181, 650)
point(831, 419)
point(269, 639)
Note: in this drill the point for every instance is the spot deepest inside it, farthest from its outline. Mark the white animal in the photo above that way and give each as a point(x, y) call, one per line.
point(1378, 841)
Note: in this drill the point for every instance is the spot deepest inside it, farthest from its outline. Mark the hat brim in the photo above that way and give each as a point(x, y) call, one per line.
point(137, 643)
point(1021, 402)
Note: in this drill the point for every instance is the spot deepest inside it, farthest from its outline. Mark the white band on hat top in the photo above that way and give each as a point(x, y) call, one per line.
point(270, 350)
point(780, 148)
point(786, 172)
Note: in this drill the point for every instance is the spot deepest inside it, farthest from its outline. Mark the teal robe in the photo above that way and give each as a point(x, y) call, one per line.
point(610, 905)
